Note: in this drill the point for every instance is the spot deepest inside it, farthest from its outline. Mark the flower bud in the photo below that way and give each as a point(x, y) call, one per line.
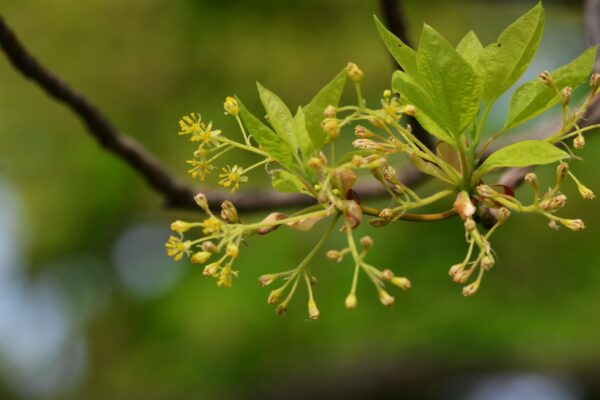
point(579, 142)
point(585, 192)
point(202, 201)
point(385, 298)
point(180, 226)
point(387, 274)
point(376, 122)
point(455, 269)
point(281, 309)
point(462, 276)
point(267, 279)
point(335, 255)
point(366, 144)
point(211, 269)
point(229, 212)
point(315, 163)
point(487, 262)
point(387, 214)
point(471, 289)
point(390, 175)
point(503, 214)
point(470, 225)
point(355, 73)
point(231, 106)
point(200, 257)
point(275, 295)
point(366, 242)
point(573, 224)
point(363, 133)
point(531, 179)
point(545, 77)
point(566, 95)
point(353, 214)
point(331, 126)
point(561, 172)
point(330, 111)
point(351, 301)
point(553, 225)
point(232, 250)
point(209, 246)
point(313, 311)
point(402, 282)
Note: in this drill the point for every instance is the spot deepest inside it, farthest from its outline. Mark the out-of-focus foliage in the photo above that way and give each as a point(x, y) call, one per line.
point(134, 324)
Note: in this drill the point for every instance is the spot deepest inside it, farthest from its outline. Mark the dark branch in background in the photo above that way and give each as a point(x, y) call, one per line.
point(178, 194)
point(395, 22)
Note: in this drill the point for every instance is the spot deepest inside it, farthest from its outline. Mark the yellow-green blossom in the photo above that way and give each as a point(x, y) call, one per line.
point(200, 168)
point(176, 247)
point(232, 177)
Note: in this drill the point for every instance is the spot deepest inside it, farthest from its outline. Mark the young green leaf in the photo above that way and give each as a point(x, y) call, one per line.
point(522, 154)
point(304, 141)
point(313, 112)
point(284, 181)
point(265, 137)
point(451, 82)
point(279, 116)
point(425, 108)
point(470, 48)
point(402, 53)
point(502, 63)
point(535, 97)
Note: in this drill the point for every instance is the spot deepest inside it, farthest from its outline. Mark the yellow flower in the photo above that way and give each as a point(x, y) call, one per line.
point(231, 106)
point(200, 132)
point(176, 248)
point(200, 168)
point(232, 177)
point(211, 225)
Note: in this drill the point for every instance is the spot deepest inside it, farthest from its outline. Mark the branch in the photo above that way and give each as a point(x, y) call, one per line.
point(175, 192)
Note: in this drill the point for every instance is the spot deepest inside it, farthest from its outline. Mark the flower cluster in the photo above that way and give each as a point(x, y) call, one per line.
point(452, 104)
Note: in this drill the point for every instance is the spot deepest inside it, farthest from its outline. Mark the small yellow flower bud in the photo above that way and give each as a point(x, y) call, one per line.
point(275, 295)
point(315, 163)
point(487, 262)
point(363, 133)
point(471, 289)
point(201, 200)
point(402, 282)
point(357, 161)
point(385, 298)
point(330, 111)
point(561, 172)
point(281, 309)
point(229, 212)
point(387, 213)
point(387, 274)
point(351, 301)
point(331, 126)
point(387, 93)
point(531, 179)
point(180, 226)
point(545, 77)
point(355, 73)
point(225, 278)
point(211, 269)
point(231, 106)
point(209, 246)
point(313, 311)
point(232, 250)
point(573, 224)
point(462, 276)
point(366, 242)
point(566, 95)
point(200, 257)
point(579, 142)
point(455, 269)
point(585, 192)
point(366, 144)
point(470, 225)
point(267, 279)
point(503, 214)
point(335, 255)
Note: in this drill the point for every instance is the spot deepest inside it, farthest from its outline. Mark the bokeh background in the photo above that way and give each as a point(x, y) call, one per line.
point(91, 307)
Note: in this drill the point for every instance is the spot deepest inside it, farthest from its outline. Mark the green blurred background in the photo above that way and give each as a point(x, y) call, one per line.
point(91, 307)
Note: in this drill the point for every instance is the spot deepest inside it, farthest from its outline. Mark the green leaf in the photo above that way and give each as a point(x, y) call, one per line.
point(284, 181)
point(425, 109)
point(522, 154)
point(265, 137)
point(313, 112)
point(502, 63)
point(304, 141)
point(450, 81)
point(535, 97)
point(402, 53)
point(279, 116)
point(470, 48)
